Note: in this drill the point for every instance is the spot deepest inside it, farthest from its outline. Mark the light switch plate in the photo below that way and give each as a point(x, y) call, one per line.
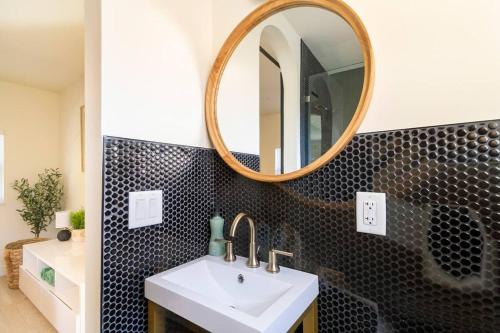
point(145, 208)
point(371, 213)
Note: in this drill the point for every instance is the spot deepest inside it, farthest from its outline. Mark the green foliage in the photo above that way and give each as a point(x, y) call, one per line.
point(41, 200)
point(77, 219)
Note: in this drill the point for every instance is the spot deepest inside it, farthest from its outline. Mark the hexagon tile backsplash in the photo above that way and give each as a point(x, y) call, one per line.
point(437, 270)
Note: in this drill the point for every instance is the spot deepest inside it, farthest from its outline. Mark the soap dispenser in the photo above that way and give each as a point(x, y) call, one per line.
point(216, 248)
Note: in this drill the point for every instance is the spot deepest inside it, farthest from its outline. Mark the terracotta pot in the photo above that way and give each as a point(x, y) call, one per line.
point(78, 235)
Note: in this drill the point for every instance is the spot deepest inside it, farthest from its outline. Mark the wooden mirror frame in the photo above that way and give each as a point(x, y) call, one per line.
point(244, 27)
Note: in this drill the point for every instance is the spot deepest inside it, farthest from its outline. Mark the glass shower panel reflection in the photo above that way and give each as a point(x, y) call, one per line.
point(330, 103)
point(319, 116)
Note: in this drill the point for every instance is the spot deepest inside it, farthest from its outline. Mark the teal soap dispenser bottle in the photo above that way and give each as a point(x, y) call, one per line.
point(216, 232)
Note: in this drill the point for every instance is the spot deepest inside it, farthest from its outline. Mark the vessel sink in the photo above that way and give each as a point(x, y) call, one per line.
point(230, 297)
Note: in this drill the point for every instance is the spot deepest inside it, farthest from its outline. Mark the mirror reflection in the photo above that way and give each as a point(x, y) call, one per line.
point(290, 89)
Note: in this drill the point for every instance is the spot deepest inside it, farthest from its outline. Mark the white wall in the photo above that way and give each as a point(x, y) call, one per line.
point(156, 57)
point(93, 166)
point(2, 180)
point(71, 99)
point(42, 130)
point(29, 119)
point(436, 62)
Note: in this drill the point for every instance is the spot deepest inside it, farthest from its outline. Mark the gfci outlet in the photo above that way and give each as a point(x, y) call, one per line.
point(370, 213)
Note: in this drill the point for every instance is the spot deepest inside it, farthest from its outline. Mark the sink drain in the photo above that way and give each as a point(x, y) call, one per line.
point(233, 307)
point(241, 278)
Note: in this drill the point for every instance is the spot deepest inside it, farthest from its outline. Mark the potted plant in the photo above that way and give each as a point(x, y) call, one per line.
point(77, 220)
point(41, 200)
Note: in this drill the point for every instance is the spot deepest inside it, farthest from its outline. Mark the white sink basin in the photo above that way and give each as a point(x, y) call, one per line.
point(207, 292)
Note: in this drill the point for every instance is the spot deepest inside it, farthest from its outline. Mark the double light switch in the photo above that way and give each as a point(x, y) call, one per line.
point(145, 208)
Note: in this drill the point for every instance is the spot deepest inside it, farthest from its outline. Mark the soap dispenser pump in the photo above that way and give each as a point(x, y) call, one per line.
point(216, 248)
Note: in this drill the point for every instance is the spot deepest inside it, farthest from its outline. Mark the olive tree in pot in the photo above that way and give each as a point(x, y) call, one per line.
point(41, 200)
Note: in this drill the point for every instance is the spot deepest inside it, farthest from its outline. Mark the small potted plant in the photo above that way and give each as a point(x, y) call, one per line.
point(77, 220)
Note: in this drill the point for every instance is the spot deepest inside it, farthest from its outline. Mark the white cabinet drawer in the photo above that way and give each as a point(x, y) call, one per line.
point(29, 286)
point(53, 309)
point(29, 262)
point(57, 313)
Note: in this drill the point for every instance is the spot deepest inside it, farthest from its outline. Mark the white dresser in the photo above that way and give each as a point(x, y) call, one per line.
point(62, 304)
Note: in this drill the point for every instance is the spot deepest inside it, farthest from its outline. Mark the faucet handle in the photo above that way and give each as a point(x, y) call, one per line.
point(229, 257)
point(272, 265)
point(283, 253)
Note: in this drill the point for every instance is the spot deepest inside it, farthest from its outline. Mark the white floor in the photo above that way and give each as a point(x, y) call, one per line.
point(18, 314)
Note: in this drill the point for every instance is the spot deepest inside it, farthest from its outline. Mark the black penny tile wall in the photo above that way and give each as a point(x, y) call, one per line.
point(185, 175)
point(251, 161)
point(437, 270)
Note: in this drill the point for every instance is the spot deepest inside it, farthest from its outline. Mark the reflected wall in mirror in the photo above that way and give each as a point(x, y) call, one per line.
point(292, 90)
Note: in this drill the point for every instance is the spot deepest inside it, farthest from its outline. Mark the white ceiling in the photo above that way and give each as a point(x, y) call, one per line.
point(328, 36)
point(41, 42)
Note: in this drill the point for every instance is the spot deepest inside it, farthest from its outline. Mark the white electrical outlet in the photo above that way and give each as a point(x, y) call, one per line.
point(144, 208)
point(370, 213)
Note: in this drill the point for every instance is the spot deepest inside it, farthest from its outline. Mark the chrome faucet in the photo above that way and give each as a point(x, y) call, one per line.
point(252, 261)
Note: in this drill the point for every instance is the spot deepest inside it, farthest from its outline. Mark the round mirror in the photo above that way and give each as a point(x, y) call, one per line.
point(289, 88)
